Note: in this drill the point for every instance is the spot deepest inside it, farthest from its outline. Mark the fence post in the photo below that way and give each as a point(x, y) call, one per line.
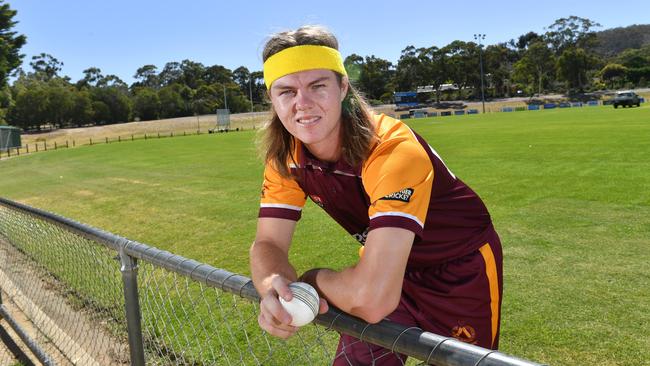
point(129, 271)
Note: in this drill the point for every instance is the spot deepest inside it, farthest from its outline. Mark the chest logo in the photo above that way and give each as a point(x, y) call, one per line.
point(404, 195)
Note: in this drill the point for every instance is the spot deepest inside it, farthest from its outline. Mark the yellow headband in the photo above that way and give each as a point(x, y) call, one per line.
point(301, 58)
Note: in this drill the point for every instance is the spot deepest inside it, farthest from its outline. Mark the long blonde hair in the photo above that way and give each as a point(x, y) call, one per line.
point(357, 131)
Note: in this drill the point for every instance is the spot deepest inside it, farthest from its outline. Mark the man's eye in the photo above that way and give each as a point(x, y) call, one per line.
point(319, 86)
point(287, 92)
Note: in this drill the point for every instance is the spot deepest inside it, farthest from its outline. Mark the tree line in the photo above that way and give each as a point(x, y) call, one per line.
point(43, 97)
point(567, 58)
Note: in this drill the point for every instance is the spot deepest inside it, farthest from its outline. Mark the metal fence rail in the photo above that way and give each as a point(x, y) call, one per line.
point(97, 298)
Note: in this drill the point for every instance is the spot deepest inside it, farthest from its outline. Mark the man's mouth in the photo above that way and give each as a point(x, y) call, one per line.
point(308, 120)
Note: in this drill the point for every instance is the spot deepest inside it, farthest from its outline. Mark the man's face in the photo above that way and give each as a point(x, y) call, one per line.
point(309, 105)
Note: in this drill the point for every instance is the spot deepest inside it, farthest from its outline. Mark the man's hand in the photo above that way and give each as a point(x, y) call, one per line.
point(273, 318)
point(271, 273)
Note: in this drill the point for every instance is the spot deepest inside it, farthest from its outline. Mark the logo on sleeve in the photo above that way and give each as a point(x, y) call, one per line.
point(404, 195)
point(263, 191)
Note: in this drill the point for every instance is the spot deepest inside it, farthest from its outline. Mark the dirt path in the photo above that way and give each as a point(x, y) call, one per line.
point(69, 336)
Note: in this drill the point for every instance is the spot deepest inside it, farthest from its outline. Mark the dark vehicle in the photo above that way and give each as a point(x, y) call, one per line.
point(626, 99)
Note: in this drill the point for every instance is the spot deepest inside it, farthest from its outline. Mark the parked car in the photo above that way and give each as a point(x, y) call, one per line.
point(626, 99)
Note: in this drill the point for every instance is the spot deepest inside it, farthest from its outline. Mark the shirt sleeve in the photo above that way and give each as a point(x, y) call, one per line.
point(398, 178)
point(281, 197)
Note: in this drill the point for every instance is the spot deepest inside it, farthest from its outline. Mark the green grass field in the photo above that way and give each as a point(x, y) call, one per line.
point(568, 189)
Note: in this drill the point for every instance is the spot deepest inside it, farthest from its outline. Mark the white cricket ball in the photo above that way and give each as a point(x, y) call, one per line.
point(303, 307)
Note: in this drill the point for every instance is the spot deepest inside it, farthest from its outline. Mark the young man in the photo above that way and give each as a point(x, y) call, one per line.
point(431, 256)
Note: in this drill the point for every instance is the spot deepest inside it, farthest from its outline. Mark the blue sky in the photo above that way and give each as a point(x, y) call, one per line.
point(119, 36)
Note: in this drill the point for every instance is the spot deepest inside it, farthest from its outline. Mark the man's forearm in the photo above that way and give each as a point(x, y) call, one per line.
point(267, 261)
point(371, 289)
point(351, 292)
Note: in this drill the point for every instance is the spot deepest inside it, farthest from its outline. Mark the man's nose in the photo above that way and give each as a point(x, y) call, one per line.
point(303, 100)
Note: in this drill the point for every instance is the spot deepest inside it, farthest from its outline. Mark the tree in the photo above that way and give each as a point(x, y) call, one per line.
point(30, 109)
point(60, 102)
point(115, 104)
point(463, 65)
point(112, 81)
point(6, 102)
point(92, 76)
point(571, 32)
point(408, 70)
point(421, 67)
point(639, 76)
point(353, 65)
point(242, 76)
point(46, 67)
point(259, 88)
point(635, 58)
point(82, 110)
point(146, 104)
point(526, 40)
point(375, 77)
point(146, 76)
point(237, 101)
point(498, 61)
point(171, 103)
point(572, 66)
point(535, 67)
point(207, 99)
point(10, 43)
point(192, 73)
point(101, 112)
point(217, 74)
point(170, 74)
point(613, 73)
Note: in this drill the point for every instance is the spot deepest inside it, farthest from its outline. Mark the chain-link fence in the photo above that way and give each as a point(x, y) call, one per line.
point(77, 295)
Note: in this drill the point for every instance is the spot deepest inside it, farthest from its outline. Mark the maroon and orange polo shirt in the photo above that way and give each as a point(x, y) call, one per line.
point(403, 183)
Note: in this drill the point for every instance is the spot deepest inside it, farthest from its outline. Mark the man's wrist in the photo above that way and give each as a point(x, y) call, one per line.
point(310, 278)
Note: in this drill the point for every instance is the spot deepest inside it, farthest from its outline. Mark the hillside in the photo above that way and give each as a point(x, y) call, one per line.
point(615, 40)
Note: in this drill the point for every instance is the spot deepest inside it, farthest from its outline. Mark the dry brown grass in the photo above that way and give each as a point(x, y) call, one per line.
point(164, 127)
point(70, 137)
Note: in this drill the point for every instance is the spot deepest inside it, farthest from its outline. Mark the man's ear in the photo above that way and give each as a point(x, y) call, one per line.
point(345, 87)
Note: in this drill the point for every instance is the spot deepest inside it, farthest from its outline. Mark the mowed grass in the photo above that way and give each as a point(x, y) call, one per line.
point(568, 189)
